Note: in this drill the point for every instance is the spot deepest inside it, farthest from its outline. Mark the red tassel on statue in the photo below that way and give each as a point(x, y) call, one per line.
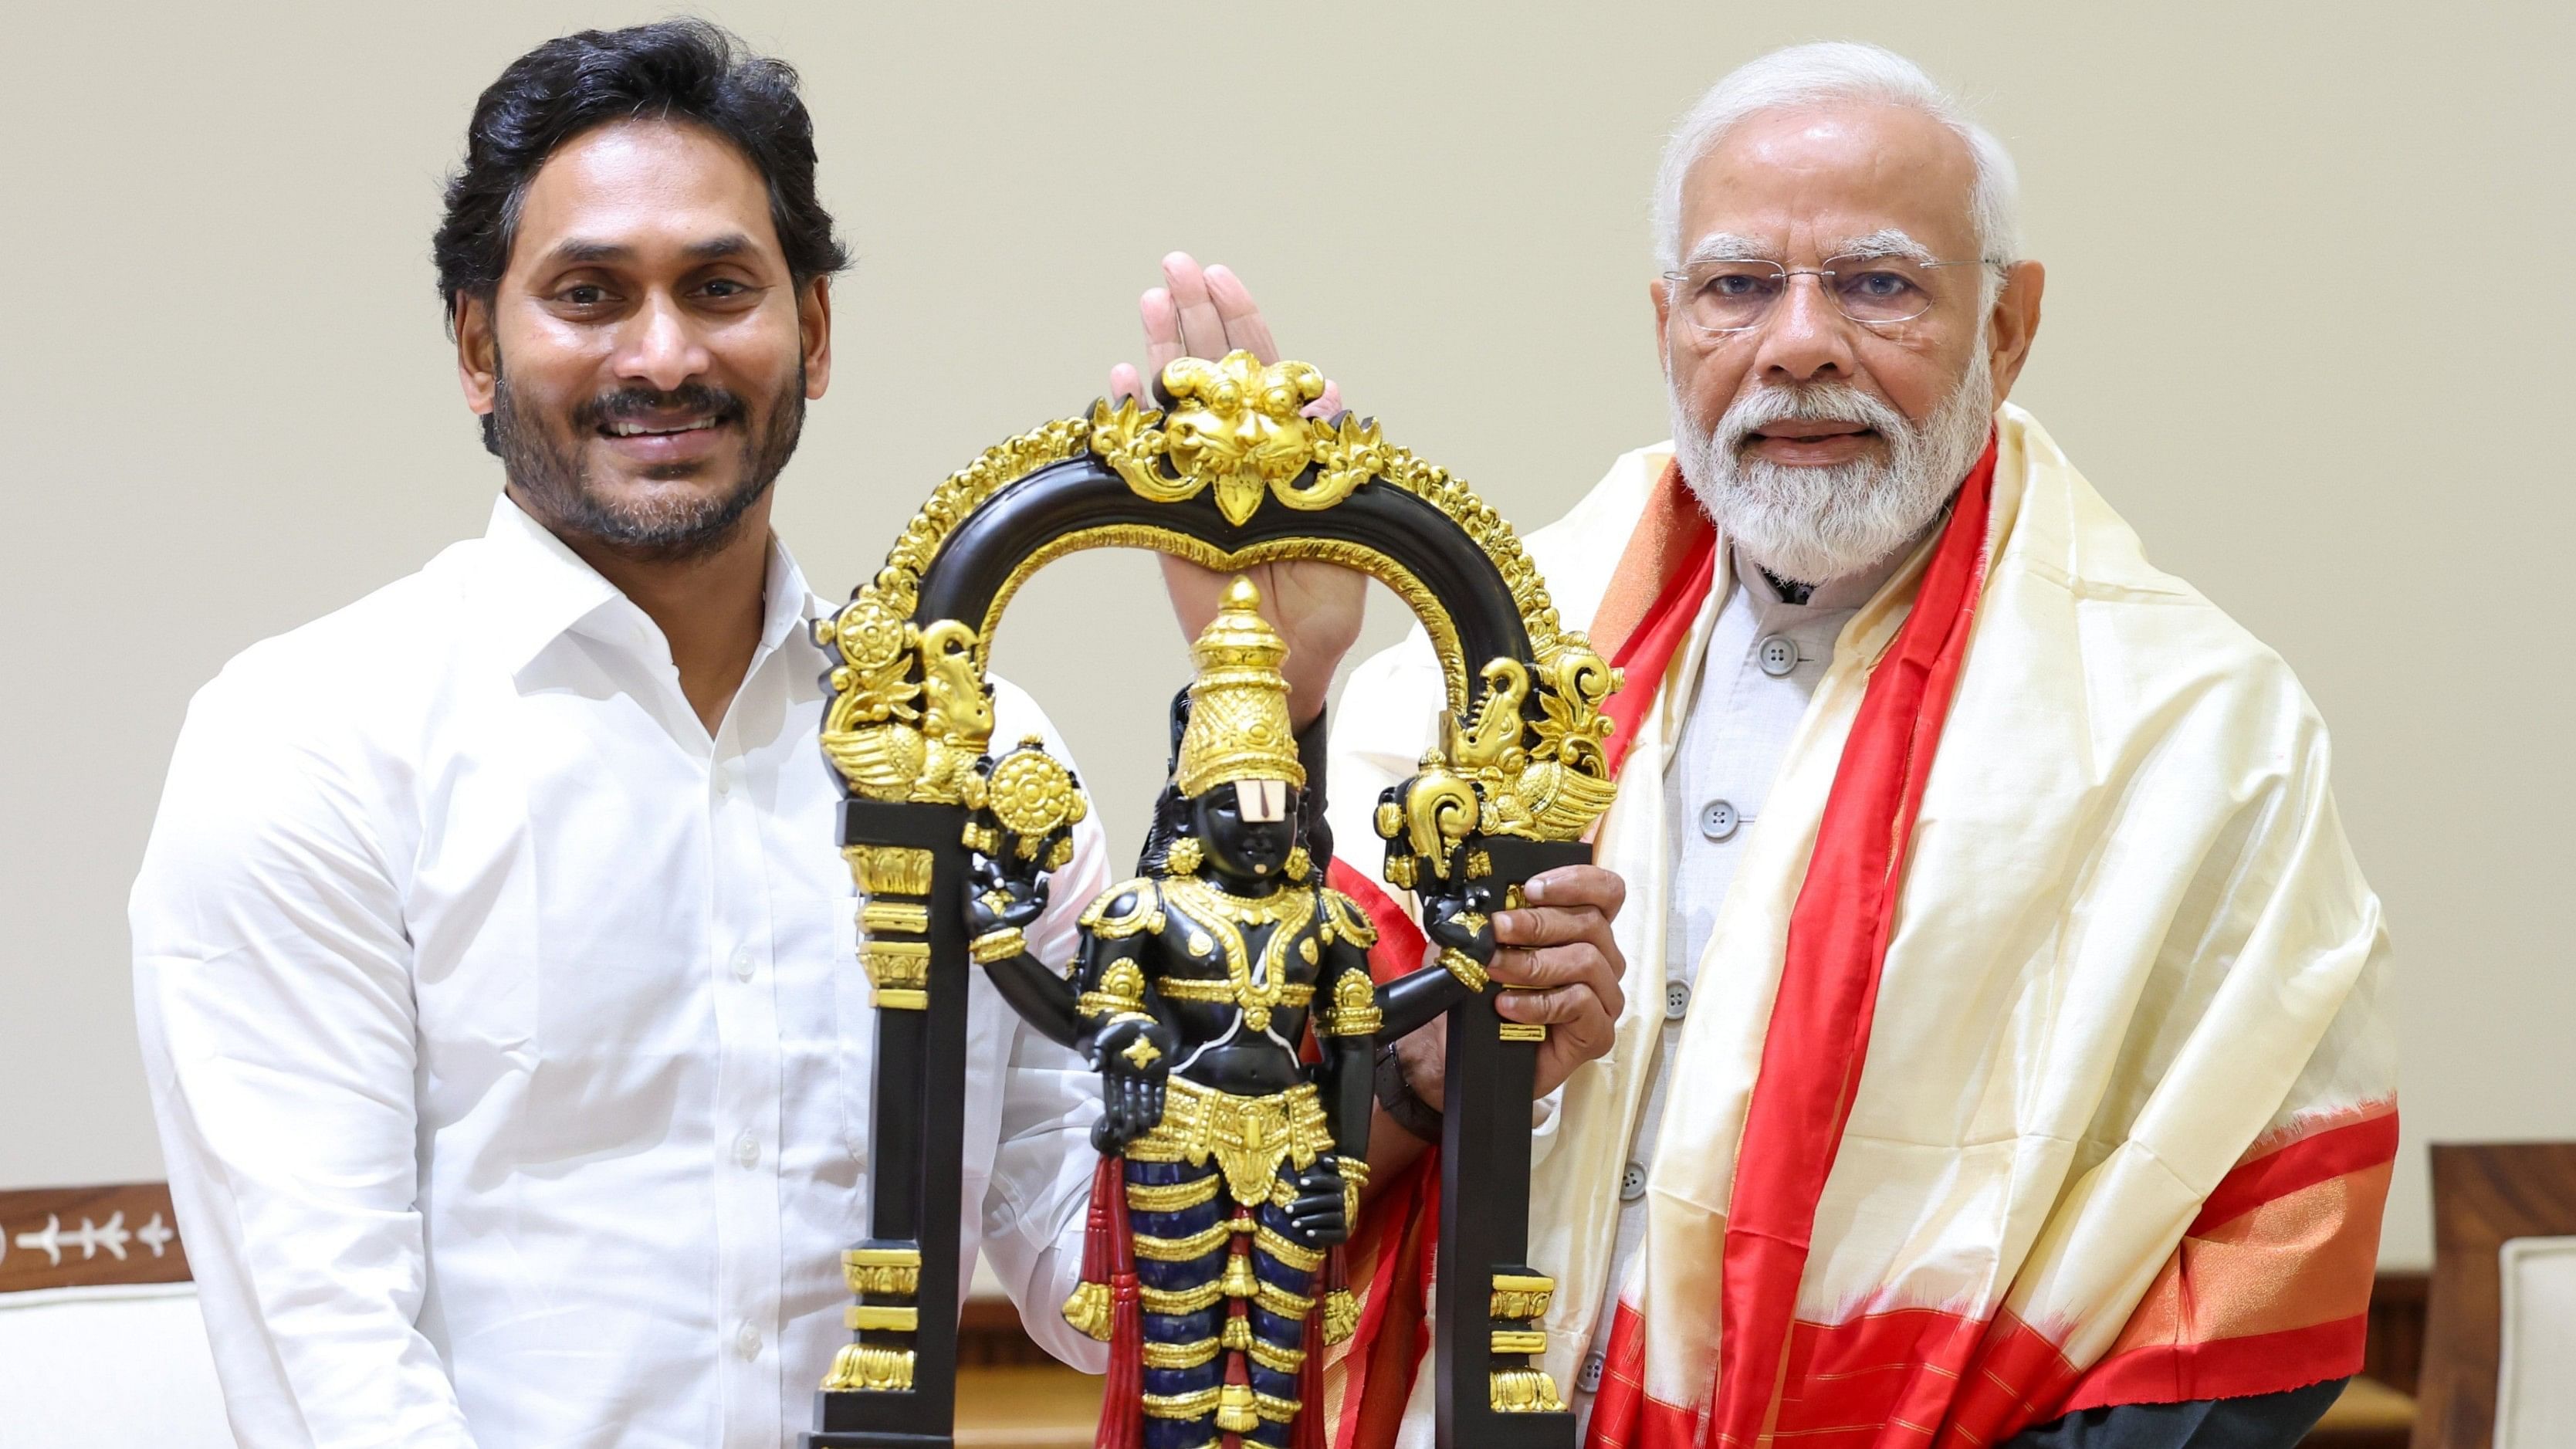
point(1107, 1306)
point(1326, 1322)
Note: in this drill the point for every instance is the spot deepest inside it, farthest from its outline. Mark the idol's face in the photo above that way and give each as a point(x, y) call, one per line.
point(1800, 186)
point(647, 355)
point(1247, 850)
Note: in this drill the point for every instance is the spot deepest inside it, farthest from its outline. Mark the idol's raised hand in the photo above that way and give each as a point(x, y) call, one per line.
point(1207, 312)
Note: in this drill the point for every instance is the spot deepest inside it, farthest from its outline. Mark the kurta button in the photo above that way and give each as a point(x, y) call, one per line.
point(1676, 1000)
point(1632, 1182)
point(746, 1150)
point(746, 1340)
point(742, 966)
point(1588, 1378)
point(1717, 819)
point(1777, 654)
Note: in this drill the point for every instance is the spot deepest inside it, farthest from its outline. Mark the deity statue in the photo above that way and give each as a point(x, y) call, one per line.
point(1234, 1150)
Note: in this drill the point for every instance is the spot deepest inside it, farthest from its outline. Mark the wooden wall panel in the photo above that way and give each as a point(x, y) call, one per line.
point(85, 1237)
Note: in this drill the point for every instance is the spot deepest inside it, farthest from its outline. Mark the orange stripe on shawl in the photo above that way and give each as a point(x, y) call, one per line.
point(1669, 538)
point(2270, 1287)
point(2267, 1292)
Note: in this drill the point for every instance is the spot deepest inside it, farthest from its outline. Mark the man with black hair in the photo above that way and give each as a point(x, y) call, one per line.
point(494, 977)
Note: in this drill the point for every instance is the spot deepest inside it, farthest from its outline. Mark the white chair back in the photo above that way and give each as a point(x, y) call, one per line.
point(2536, 1368)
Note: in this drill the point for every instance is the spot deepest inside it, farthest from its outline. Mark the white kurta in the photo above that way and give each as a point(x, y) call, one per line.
point(1748, 692)
point(510, 1054)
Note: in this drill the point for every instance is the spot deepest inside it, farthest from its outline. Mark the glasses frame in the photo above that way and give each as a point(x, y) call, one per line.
point(1824, 276)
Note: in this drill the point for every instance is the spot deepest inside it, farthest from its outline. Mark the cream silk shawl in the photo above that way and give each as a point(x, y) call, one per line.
point(2125, 1120)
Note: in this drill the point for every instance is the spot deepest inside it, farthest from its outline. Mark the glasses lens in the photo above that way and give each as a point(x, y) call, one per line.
point(1880, 289)
point(1728, 296)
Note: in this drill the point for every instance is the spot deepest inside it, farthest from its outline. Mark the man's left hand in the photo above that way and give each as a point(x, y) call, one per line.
point(1563, 966)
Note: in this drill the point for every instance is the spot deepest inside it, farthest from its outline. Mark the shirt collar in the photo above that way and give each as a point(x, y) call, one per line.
point(538, 590)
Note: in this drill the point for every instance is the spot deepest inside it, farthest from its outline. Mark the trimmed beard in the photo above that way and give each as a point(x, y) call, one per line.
point(1811, 524)
point(549, 470)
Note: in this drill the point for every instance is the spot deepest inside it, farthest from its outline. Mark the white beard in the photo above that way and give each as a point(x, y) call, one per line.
point(1810, 524)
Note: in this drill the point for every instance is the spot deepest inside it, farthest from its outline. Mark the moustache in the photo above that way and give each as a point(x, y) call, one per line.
point(1815, 402)
point(627, 404)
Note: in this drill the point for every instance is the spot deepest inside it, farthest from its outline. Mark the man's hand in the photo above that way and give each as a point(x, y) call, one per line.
point(1207, 312)
point(1564, 966)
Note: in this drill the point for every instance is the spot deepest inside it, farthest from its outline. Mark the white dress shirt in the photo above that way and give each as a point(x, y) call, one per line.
point(511, 1057)
point(1764, 659)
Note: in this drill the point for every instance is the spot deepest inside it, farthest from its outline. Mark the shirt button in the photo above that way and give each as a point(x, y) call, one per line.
point(1588, 1378)
point(1717, 819)
point(742, 963)
point(746, 1150)
point(724, 779)
point(1676, 1000)
point(1777, 654)
point(746, 1340)
point(1632, 1182)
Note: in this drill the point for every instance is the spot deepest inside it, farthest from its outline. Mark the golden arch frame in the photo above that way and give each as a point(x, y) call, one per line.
point(1227, 473)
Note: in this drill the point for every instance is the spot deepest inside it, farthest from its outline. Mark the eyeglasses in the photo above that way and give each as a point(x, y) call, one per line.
point(1722, 297)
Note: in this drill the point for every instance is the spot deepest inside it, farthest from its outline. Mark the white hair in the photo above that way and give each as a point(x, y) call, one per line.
point(1802, 76)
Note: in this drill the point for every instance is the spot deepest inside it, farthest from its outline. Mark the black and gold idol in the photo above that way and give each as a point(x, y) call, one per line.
point(1224, 995)
point(1234, 1163)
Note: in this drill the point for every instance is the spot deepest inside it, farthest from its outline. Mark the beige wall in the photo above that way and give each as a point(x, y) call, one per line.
point(2308, 327)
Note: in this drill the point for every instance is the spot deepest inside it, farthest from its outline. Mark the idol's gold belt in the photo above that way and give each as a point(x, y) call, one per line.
point(1248, 1136)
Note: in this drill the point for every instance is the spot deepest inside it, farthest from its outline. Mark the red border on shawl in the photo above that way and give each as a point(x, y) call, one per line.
point(2225, 1368)
point(2303, 1163)
point(1647, 653)
point(1818, 1037)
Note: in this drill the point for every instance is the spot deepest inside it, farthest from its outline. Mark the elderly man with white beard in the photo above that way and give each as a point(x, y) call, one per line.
point(2004, 1058)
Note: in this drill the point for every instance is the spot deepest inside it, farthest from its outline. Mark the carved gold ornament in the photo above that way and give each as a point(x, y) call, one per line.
point(1147, 1197)
point(1525, 1391)
point(1088, 1310)
point(1341, 1315)
point(1238, 727)
point(1000, 945)
point(1222, 916)
point(865, 1317)
point(1250, 1137)
point(1355, 1008)
point(911, 714)
point(1521, 1295)
point(1033, 796)
point(1470, 972)
point(893, 1272)
point(1240, 428)
point(889, 870)
point(869, 1368)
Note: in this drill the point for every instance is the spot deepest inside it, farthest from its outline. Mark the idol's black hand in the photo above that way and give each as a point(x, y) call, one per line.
point(1317, 1213)
point(996, 898)
point(1461, 920)
point(1133, 1058)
